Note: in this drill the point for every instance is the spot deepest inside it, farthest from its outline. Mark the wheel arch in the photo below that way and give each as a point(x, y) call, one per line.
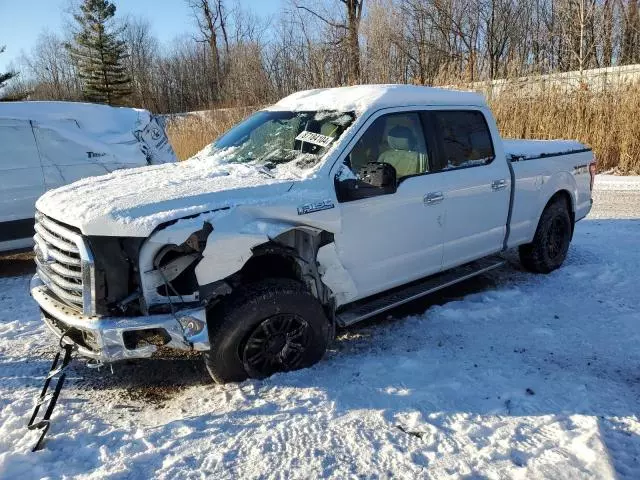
point(292, 254)
point(536, 256)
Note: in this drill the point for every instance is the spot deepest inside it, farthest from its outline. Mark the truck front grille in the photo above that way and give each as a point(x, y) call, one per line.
point(64, 264)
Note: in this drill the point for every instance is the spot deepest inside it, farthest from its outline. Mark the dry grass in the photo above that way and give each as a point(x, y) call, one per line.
point(190, 133)
point(608, 122)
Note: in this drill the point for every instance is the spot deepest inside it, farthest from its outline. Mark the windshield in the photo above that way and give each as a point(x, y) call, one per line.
point(270, 138)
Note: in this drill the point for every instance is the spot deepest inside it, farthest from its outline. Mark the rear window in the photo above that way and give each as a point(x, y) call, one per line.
point(466, 139)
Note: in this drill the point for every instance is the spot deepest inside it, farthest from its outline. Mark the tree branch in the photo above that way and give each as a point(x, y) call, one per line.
point(328, 22)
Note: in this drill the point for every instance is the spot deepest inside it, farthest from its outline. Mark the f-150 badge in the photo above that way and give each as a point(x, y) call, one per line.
point(315, 207)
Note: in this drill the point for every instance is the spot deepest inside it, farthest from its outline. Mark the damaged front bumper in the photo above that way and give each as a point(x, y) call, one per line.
point(109, 339)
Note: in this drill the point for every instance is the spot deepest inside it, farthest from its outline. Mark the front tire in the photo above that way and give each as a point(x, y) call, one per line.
point(270, 326)
point(551, 241)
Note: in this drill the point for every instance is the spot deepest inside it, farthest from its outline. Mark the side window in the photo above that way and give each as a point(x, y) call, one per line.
point(396, 139)
point(466, 139)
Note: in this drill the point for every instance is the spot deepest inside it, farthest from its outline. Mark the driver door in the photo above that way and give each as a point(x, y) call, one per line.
point(391, 239)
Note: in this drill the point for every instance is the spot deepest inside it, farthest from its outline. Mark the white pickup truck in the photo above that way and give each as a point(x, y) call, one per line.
point(324, 209)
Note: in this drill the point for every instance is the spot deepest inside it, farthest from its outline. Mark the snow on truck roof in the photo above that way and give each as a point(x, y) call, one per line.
point(360, 98)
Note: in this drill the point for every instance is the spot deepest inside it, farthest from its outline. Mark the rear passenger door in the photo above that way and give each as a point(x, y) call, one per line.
point(475, 183)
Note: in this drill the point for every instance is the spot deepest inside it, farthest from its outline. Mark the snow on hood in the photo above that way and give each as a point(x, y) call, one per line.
point(134, 202)
point(360, 98)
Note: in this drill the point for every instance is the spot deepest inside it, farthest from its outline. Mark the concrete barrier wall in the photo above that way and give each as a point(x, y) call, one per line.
point(597, 79)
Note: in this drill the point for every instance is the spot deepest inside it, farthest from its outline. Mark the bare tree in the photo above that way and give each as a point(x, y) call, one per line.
point(499, 19)
point(630, 51)
point(577, 20)
point(350, 26)
point(52, 70)
point(211, 17)
point(607, 32)
point(142, 48)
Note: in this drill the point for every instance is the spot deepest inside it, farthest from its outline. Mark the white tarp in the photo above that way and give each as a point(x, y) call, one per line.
point(45, 145)
point(80, 133)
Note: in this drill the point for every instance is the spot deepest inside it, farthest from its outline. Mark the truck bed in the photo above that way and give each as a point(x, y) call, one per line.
point(518, 150)
point(542, 167)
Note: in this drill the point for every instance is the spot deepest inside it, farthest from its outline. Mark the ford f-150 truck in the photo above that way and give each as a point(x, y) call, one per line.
point(325, 209)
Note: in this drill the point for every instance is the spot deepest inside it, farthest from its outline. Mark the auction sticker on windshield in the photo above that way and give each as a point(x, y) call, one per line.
point(315, 138)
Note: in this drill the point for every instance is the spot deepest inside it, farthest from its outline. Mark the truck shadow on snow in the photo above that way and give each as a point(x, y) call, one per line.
point(150, 381)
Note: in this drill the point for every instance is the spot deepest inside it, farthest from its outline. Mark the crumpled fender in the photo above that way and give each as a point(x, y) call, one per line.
point(230, 245)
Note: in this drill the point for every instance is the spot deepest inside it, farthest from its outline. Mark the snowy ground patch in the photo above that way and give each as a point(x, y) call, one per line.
point(515, 376)
point(618, 182)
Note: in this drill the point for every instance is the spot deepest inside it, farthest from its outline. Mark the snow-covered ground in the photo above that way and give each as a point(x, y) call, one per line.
point(520, 376)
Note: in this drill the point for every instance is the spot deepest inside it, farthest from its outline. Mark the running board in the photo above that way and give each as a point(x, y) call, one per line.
point(364, 309)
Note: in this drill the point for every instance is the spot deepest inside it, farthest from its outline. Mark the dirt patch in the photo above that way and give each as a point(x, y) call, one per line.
point(152, 381)
point(154, 396)
point(17, 264)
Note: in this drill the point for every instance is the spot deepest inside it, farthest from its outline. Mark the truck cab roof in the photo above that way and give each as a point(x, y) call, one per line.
point(363, 98)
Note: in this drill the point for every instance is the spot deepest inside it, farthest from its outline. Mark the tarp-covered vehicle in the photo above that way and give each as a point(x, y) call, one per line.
point(45, 145)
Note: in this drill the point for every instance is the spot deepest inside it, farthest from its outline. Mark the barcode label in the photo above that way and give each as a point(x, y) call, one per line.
point(315, 138)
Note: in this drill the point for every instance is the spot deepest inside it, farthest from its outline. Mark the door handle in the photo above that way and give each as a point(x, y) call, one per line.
point(433, 198)
point(498, 185)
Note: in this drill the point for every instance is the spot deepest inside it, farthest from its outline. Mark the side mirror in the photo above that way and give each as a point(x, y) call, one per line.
point(379, 175)
point(374, 178)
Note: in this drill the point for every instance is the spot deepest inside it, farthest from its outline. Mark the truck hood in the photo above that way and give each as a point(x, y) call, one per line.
point(133, 202)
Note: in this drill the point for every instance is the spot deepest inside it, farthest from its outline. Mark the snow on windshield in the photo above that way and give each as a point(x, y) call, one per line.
point(279, 140)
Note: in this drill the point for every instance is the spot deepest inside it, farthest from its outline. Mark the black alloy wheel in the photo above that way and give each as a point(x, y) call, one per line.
point(277, 344)
point(550, 244)
point(269, 326)
point(557, 238)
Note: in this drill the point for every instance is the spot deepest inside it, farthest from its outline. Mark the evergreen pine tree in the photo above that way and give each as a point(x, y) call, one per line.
point(100, 54)
point(5, 77)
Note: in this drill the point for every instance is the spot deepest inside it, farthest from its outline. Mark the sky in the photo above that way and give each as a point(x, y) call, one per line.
point(21, 21)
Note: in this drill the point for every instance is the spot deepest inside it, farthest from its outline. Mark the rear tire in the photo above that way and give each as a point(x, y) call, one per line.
point(270, 326)
point(551, 241)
